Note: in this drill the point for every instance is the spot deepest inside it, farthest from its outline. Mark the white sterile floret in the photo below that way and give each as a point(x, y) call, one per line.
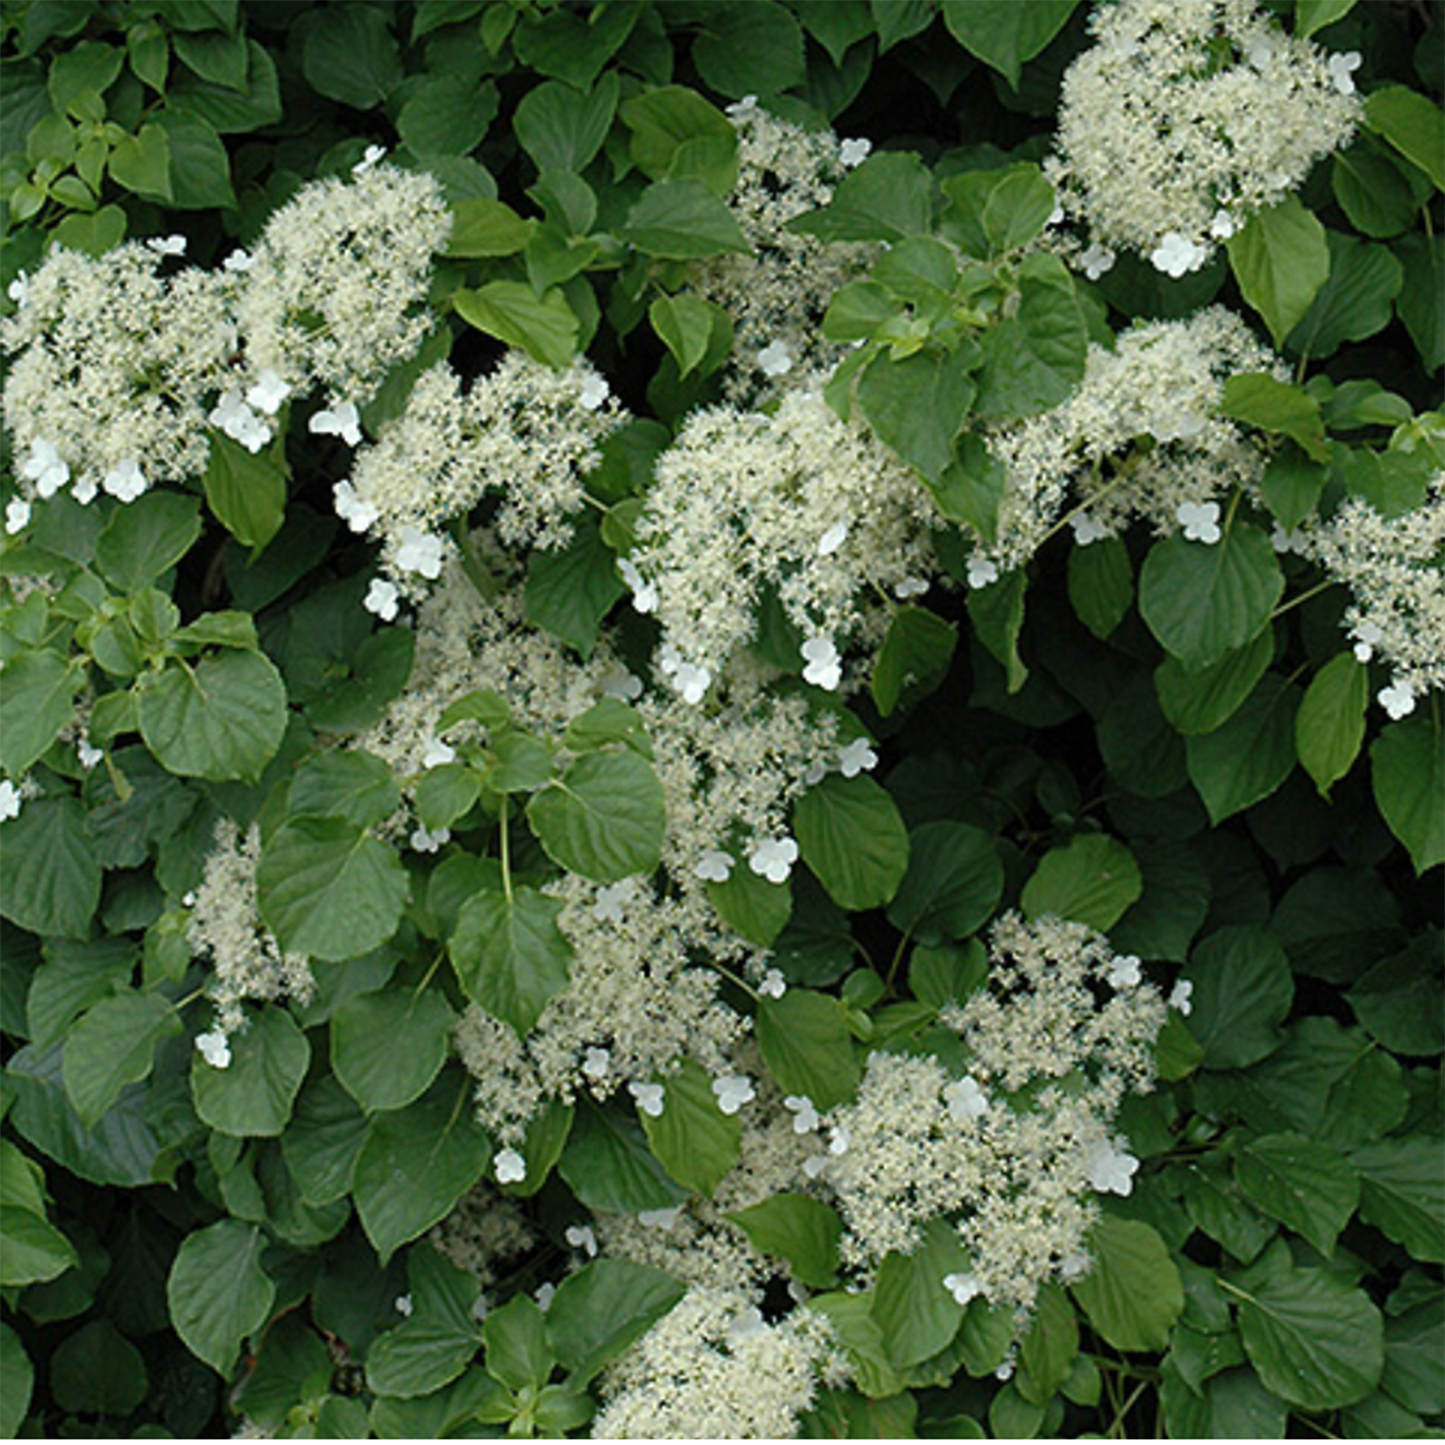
point(18, 288)
point(773, 360)
point(10, 800)
point(403, 1305)
point(773, 984)
point(832, 539)
point(1181, 996)
point(965, 1099)
point(823, 666)
point(982, 572)
point(909, 587)
point(732, 1092)
point(423, 840)
point(1342, 69)
point(437, 753)
point(612, 900)
point(581, 1236)
point(1368, 635)
point(17, 515)
point(805, 1115)
point(167, 245)
point(1096, 260)
point(963, 1287)
point(644, 594)
point(854, 152)
point(125, 482)
point(268, 393)
point(1222, 226)
point(370, 158)
point(419, 552)
point(214, 1049)
point(1398, 699)
point(839, 1138)
point(382, 598)
point(510, 1166)
point(857, 757)
point(342, 420)
point(238, 262)
point(46, 468)
point(619, 683)
point(651, 1099)
point(1176, 255)
point(742, 108)
point(1124, 972)
point(234, 417)
point(691, 682)
point(543, 1295)
point(87, 755)
point(1285, 541)
point(1086, 529)
point(1111, 1170)
point(1199, 521)
point(773, 858)
point(594, 392)
point(597, 1063)
point(662, 1219)
point(714, 866)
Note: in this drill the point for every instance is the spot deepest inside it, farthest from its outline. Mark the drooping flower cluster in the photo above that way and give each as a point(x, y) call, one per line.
point(1140, 437)
point(1185, 118)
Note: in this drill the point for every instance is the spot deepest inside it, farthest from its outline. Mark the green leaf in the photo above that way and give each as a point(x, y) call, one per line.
point(1312, 15)
point(510, 955)
point(603, 818)
point(914, 658)
point(545, 328)
point(916, 406)
point(387, 1048)
point(49, 876)
point(1243, 989)
point(1133, 1294)
point(1004, 34)
point(686, 323)
point(1402, 1193)
point(253, 1095)
point(1199, 701)
point(752, 50)
point(1231, 1405)
point(752, 906)
point(1034, 358)
point(98, 1371)
point(1421, 305)
point(1301, 1182)
point(354, 785)
point(914, 1309)
point(447, 115)
point(1316, 1342)
point(953, 884)
point(992, 212)
point(1248, 757)
point(568, 593)
point(1260, 400)
point(972, 486)
point(803, 1231)
point(1280, 260)
point(570, 46)
point(1330, 724)
point(218, 1292)
point(1092, 879)
point(677, 135)
point(609, 1166)
point(1412, 124)
point(220, 718)
point(851, 835)
point(352, 56)
point(682, 221)
point(37, 700)
point(486, 227)
point(19, 1376)
point(111, 1047)
point(1401, 1000)
point(1050, 1348)
point(602, 1309)
point(322, 1141)
point(1353, 304)
point(414, 1166)
point(200, 165)
point(1291, 487)
point(692, 1138)
point(1202, 601)
point(888, 197)
point(1101, 585)
point(1372, 192)
point(329, 889)
point(34, 1250)
point(562, 128)
point(807, 1047)
point(145, 538)
point(142, 164)
point(1407, 770)
point(518, 1353)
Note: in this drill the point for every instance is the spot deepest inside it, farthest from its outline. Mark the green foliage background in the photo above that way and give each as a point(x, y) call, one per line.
point(1164, 749)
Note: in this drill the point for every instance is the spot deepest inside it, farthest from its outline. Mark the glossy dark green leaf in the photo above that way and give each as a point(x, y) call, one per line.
point(253, 1095)
point(509, 954)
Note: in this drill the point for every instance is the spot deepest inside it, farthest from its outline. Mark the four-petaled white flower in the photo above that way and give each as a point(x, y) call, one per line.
point(714, 866)
point(832, 539)
point(773, 858)
point(733, 1091)
point(963, 1287)
point(1096, 261)
point(1398, 699)
point(580, 1236)
point(965, 1099)
point(268, 393)
point(45, 468)
point(805, 1115)
point(87, 755)
point(741, 108)
point(167, 245)
point(84, 489)
point(125, 482)
point(510, 1166)
point(214, 1048)
point(749, 1323)
point(692, 682)
point(611, 899)
point(854, 152)
point(621, 684)
point(662, 1219)
point(420, 552)
point(823, 666)
point(239, 260)
point(909, 587)
point(1284, 541)
point(10, 801)
point(342, 420)
point(1342, 69)
point(1086, 529)
point(1110, 1170)
point(18, 288)
point(982, 572)
point(1123, 972)
point(381, 598)
point(1180, 997)
point(857, 757)
point(239, 422)
point(369, 159)
point(437, 753)
point(17, 515)
point(594, 391)
point(543, 1295)
point(1200, 521)
point(774, 360)
point(1222, 227)
point(597, 1062)
point(839, 1139)
point(423, 840)
point(1367, 635)
point(650, 1098)
point(644, 593)
point(1176, 255)
point(774, 985)
point(402, 1305)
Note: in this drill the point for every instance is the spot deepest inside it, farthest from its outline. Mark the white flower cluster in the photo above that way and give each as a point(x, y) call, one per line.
point(798, 505)
point(713, 1368)
point(225, 926)
point(1140, 437)
point(1184, 119)
point(1395, 568)
point(777, 296)
point(525, 434)
point(1014, 1147)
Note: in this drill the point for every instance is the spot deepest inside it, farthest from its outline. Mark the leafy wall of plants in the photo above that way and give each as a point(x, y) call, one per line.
point(695, 743)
